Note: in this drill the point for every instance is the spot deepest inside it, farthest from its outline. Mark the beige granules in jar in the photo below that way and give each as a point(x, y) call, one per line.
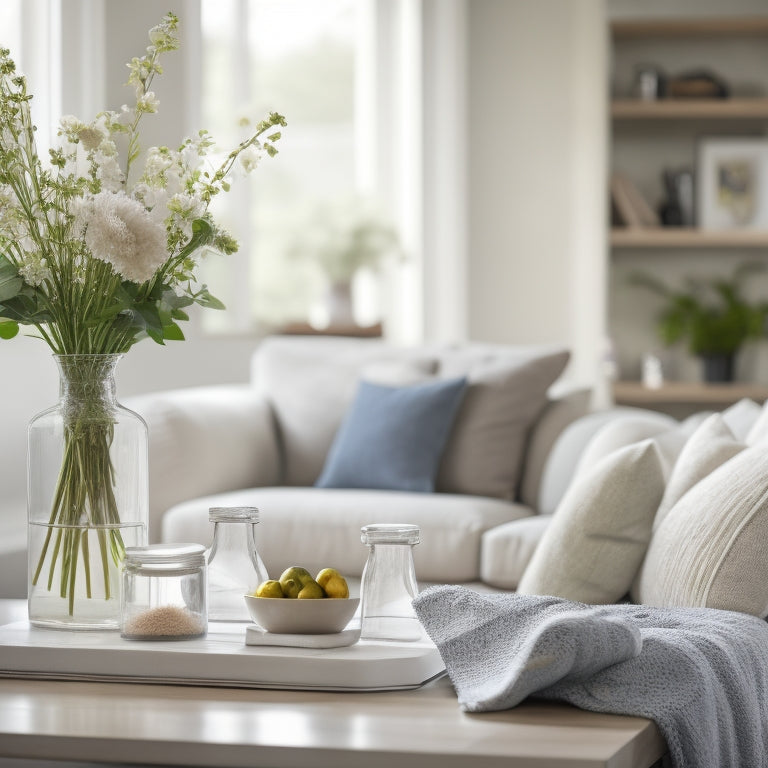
point(165, 621)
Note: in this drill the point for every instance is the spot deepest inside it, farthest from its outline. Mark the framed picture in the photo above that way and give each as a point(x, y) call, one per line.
point(732, 183)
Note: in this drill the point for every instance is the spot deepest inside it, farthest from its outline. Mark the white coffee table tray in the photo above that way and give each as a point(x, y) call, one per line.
point(220, 659)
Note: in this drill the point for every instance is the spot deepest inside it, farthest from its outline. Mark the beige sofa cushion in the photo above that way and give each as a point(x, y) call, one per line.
point(507, 549)
point(622, 431)
point(709, 550)
point(318, 527)
point(711, 445)
point(596, 541)
point(484, 453)
point(558, 413)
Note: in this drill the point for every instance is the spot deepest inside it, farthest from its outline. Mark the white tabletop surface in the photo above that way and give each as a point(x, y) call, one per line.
point(195, 726)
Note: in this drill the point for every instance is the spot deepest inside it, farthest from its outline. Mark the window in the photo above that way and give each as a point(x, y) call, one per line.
point(298, 57)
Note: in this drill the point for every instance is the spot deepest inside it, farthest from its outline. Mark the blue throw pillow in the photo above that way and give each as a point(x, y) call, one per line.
point(392, 437)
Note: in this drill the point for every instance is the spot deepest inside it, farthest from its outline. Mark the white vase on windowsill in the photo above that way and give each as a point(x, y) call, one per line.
point(340, 305)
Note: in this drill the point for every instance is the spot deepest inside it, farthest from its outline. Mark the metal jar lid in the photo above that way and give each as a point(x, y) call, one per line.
point(165, 559)
point(390, 533)
point(233, 514)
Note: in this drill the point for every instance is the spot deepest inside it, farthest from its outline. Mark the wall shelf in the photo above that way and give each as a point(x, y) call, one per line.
point(686, 393)
point(685, 237)
point(690, 109)
point(746, 26)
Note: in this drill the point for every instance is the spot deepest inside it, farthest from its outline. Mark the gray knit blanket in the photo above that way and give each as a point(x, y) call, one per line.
point(701, 674)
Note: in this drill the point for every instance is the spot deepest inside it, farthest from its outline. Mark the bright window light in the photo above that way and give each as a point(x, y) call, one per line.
point(298, 57)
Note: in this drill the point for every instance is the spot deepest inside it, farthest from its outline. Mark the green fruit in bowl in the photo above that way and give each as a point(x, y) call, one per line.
point(298, 574)
point(270, 588)
point(311, 591)
point(333, 583)
point(290, 588)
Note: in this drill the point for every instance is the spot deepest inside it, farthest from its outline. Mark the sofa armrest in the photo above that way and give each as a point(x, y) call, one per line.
point(205, 440)
point(506, 550)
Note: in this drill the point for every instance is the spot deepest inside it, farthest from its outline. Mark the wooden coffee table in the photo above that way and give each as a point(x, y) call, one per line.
point(196, 726)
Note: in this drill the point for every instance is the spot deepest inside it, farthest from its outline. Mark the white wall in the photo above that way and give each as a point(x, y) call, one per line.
point(537, 163)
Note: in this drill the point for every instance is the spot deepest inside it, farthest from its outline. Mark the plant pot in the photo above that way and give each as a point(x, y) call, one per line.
point(718, 369)
point(340, 306)
point(88, 497)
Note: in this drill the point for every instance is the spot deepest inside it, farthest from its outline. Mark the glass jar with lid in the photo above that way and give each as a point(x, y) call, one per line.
point(234, 566)
point(164, 592)
point(389, 583)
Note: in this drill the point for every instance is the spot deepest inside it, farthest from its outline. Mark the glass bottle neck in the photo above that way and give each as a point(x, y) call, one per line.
point(87, 379)
point(233, 536)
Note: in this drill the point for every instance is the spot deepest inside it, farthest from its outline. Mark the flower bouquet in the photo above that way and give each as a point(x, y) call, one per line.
point(99, 248)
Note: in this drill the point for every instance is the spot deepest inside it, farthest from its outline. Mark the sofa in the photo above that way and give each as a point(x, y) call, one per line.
point(519, 435)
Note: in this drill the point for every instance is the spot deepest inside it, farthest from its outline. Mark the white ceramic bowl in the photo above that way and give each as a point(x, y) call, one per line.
point(302, 617)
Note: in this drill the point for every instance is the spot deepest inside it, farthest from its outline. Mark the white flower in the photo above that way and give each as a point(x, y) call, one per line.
point(157, 163)
point(108, 171)
point(91, 137)
point(120, 231)
point(187, 206)
point(147, 102)
point(35, 269)
point(249, 158)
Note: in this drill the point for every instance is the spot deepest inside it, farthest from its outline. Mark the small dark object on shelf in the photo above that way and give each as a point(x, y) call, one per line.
point(677, 208)
point(698, 84)
point(650, 82)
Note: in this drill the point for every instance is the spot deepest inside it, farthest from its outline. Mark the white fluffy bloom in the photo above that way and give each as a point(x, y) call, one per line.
point(121, 232)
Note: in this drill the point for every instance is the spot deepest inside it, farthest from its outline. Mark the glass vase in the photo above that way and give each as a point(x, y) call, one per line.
point(87, 491)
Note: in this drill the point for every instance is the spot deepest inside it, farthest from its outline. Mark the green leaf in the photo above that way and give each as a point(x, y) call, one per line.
point(204, 299)
point(11, 282)
point(151, 317)
point(8, 329)
point(172, 332)
point(178, 314)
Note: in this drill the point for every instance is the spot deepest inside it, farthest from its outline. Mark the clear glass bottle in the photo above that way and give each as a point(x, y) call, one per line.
point(164, 592)
point(88, 498)
point(389, 583)
point(234, 566)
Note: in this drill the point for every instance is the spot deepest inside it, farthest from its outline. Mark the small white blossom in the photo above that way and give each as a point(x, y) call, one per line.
point(249, 158)
point(119, 231)
point(34, 269)
point(108, 171)
point(147, 102)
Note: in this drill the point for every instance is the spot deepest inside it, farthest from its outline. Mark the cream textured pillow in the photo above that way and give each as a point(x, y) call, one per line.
point(741, 417)
point(595, 543)
point(710, 549)
point(711, 445)
point(759, 430)
point(484, 453)
point(620, 432)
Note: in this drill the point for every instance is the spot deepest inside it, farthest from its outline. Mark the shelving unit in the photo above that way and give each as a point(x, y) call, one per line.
point(649, 136)
point(687, 237)
point(755, 108)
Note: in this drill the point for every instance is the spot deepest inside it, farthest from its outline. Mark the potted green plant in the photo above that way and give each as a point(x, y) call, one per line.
point(712, 315)
point(342, 238)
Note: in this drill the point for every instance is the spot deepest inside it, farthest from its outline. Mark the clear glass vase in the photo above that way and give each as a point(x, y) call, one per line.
point(87, 492)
